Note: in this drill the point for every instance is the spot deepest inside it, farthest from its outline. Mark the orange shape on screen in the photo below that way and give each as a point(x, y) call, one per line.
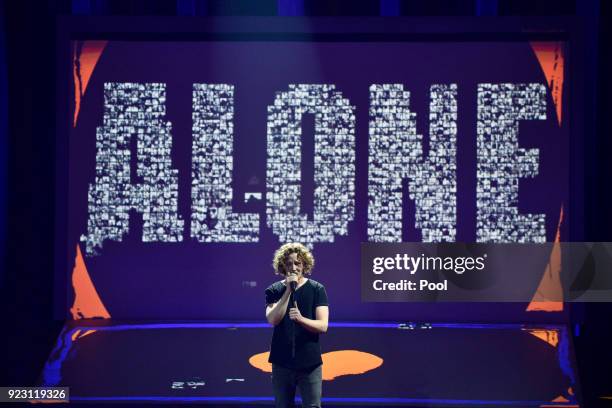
point(87, 302)
point(83, 66)
point(550, 284)
point(552, 60)
point(335, 363)
point(549, 336)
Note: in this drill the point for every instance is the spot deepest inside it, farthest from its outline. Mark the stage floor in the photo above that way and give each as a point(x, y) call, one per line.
point(385, 364)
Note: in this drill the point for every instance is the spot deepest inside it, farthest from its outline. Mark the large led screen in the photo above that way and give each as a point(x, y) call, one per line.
point(190, 162)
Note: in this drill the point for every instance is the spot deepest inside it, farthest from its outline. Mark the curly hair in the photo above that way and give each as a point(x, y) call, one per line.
point(281, 254)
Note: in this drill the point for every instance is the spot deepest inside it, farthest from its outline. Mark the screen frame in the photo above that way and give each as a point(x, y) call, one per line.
point(366, 29)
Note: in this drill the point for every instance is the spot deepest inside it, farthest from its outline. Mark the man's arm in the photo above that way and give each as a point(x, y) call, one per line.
point(318, 325)
point(276, 311)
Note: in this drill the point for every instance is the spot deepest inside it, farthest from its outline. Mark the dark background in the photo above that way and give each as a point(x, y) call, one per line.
point(27, 138)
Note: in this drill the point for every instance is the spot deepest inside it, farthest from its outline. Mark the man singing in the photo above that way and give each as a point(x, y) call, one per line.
point(297, 308)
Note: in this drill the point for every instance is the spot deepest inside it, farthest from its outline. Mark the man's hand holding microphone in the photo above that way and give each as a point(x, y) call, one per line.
point(292, 281)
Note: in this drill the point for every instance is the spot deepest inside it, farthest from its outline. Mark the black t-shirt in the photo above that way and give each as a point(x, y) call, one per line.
point(307, 350)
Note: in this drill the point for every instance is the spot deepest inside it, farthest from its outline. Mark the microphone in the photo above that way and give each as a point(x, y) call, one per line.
point(293, 284)
point(293, 287)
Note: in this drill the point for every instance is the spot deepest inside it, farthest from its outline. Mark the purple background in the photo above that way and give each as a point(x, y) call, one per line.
point(205, 281)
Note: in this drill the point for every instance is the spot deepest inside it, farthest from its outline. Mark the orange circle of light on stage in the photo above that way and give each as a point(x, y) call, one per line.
point(335, 363)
